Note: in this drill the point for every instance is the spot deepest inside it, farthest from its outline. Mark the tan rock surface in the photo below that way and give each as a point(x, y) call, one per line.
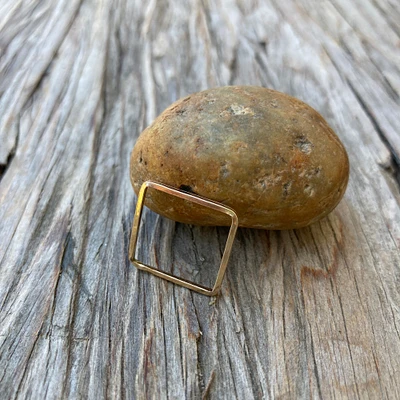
point(269, 156)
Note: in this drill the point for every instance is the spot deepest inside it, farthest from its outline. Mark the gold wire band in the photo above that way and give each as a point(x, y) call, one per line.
point(194, 199)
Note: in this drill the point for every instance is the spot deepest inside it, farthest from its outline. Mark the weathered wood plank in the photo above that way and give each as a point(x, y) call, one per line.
point(307, 313)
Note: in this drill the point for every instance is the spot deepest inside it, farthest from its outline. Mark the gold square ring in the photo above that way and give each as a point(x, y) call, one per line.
point(194, 199)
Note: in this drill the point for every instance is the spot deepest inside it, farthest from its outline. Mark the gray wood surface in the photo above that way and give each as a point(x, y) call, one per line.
point(312, 313)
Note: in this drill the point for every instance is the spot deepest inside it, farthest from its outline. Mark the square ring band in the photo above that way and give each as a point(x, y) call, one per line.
point(194, 199)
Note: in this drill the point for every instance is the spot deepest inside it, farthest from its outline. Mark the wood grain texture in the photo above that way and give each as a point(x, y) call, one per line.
point(311, 313)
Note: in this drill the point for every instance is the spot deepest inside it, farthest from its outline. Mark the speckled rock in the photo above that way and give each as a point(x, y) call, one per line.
point(269, 156)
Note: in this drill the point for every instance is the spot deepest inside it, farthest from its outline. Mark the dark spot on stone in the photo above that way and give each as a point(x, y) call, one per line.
point(145, 163)
point(286, 188)
point(186, 188)
point(302, 143)
point(309, 190)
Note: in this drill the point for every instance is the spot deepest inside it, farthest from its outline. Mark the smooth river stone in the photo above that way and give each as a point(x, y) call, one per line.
point(269, 156)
